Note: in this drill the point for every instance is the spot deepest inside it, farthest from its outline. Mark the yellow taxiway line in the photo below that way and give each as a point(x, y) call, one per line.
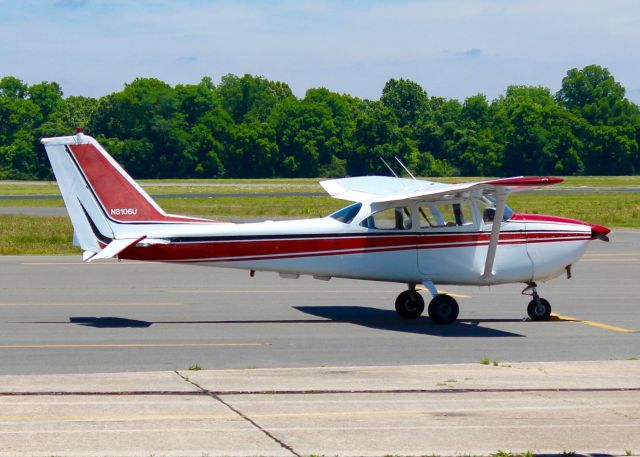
point(614, 328)
point(440, 291)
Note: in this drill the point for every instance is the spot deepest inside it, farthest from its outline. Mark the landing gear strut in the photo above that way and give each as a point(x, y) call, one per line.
point(538, 309)
point(410, 304)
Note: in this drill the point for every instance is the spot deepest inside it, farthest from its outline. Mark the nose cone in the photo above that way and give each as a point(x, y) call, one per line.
point(600, 232)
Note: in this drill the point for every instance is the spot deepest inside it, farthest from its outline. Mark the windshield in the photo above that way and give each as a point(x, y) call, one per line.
point(347, 214)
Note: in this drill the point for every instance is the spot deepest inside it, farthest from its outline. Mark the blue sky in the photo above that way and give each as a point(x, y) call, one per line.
point(453, 48)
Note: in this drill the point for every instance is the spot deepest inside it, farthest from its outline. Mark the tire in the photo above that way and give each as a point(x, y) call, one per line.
point(443, 309)
point(409, 305)
point(540, 312)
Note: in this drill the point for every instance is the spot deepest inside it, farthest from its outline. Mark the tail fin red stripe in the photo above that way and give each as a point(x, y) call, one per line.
point(121, 199)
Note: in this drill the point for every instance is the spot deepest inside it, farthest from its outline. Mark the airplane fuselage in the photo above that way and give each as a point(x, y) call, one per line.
point(396, 230)
point(529, 250)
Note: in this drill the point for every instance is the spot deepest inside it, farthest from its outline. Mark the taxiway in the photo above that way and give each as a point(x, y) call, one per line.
point(58, 315)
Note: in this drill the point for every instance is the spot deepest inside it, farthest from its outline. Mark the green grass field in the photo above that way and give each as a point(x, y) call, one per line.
point(21, 234)
point(173, 186)
point(35, 235)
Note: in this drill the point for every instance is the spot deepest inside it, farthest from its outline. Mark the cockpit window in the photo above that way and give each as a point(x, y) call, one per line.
point(347, 214)
point(389, 219)
point(445, 214)
point(487, 206)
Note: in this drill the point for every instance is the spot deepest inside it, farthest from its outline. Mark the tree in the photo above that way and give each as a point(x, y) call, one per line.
point(612, 131)
point(251, 98)
point(13, 88)
point(406, 99)
point(537, 133)
point(249, 126)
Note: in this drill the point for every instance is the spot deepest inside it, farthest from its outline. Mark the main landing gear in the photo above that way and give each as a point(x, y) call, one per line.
point(443, 309)
point(538, 309)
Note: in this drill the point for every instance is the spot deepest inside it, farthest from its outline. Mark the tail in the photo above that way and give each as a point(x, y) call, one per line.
point(108, 209)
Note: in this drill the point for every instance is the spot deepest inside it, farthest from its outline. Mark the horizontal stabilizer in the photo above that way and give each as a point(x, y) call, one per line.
point(115, 247)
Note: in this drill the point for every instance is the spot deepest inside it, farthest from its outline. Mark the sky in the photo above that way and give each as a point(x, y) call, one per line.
point(452, 48)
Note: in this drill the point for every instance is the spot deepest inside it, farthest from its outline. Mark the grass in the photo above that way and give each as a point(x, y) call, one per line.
point(609, 209)
point(194, 367)
point(33, 235)
point(171, 186)
point(31, 203)
point(513, 454)
point(252, 207)
point(182, 186)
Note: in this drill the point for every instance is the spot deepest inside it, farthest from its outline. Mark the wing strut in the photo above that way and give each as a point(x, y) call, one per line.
point(501, 198)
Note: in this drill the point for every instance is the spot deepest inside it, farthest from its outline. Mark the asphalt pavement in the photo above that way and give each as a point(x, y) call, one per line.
point(58, 315)
point(94, 361)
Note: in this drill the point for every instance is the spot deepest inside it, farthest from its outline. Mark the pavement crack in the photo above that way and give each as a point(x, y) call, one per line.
point(242, 415)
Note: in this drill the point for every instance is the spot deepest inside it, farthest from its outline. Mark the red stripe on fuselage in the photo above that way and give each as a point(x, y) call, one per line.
point(242, 250)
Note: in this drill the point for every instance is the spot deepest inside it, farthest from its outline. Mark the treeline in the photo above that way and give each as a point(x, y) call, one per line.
point(251, 127)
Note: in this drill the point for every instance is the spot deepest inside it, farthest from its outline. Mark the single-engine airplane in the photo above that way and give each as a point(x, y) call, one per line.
point(399, 230)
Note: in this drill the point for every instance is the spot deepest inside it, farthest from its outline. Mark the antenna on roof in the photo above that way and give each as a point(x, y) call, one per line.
point(405, 168)
point(390, 169)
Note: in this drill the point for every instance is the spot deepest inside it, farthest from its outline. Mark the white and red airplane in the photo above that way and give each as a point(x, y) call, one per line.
point(400, 230)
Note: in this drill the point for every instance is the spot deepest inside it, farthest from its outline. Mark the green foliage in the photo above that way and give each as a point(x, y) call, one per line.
point(251, 127)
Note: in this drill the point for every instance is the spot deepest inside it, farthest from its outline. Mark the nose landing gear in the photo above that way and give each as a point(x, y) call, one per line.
point(538, 309)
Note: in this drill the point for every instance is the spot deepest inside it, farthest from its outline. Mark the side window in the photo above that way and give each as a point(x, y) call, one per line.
point(487, 208)
point(398, 218)
point(440, 214)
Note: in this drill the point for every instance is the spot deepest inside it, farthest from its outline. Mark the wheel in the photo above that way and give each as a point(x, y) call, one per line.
point(409, 305)
point(539, 312)
point(443, 309)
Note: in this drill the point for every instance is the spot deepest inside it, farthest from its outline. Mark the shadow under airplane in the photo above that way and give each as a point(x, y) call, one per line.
point(384, 319)
point(374, 318)
point(109, 322)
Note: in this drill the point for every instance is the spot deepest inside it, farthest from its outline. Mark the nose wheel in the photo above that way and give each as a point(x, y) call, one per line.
point(538, 309)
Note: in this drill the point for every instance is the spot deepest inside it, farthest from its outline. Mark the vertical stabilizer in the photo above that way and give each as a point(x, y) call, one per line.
point(103, 201)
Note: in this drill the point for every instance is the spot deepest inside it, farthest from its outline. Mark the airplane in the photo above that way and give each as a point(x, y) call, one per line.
point(400, 230)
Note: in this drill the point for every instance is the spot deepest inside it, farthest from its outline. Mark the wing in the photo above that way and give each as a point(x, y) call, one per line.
point(381, 189)
point(366, 188)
